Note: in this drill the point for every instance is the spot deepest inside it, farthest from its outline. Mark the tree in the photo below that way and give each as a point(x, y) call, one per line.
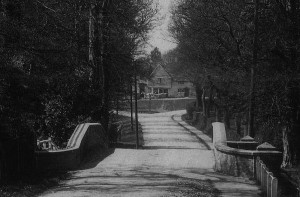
point(115, 39)
point(156, 56)
point(283, 73)
point(210, 37)
point(220, 39)
point(76, 55)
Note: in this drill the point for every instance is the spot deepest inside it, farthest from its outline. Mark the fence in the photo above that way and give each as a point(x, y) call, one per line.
point(266, 179)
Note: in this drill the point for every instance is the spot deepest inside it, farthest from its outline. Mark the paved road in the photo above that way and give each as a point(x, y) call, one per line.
point(176, 160)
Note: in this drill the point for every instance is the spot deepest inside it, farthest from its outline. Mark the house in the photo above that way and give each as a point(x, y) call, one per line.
point(166, 83)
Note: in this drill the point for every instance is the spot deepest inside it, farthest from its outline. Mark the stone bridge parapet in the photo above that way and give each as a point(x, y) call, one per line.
point(85, 137)
point(241, 161)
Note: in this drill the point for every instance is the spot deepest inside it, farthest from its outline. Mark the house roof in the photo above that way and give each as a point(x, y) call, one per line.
point(158, 68)
point(173, 73)
point(176, 76)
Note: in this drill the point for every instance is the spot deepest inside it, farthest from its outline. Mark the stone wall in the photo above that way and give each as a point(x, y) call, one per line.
point(229, 161)
point(237, 161)
point(163, 105)
point(84, 138)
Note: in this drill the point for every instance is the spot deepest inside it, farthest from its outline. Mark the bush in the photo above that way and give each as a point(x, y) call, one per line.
point(202, 121)
point(114, 132)
point(190, 109)
point(59, 124)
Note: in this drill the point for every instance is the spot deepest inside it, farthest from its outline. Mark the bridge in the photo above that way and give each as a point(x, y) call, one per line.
point(175, 160)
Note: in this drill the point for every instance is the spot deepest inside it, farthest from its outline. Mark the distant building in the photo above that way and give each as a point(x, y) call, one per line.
point(165, 83)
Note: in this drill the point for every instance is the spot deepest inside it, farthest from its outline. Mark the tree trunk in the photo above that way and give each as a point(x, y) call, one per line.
point(217, 113)
point(91, 34)
point(106, 93)
point(77, 30)
point(254, 64)
point(95, 77)
point(217, 107)
point(102, 58)
point(131, 105)
point(290, 132)
point(226, 118)
point(106, 62)
point(287, 153)
point(238, 123)
point(203, 102)
point(293, 92)
point(210, 101)
point(198, 96)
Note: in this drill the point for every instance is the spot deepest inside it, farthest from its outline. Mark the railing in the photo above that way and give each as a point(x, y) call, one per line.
point(46, 145)
point(266, 179)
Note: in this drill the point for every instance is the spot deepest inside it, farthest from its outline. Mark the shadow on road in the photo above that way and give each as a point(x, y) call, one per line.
point(170, 147)
point(94, 157)
point(149, 181)
point(142, 181)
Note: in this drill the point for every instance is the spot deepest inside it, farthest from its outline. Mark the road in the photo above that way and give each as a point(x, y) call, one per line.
point(176, 160)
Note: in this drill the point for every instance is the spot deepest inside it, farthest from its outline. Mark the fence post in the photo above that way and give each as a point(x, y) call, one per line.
point(258, 169)
point(261, 173)
point(274, 185)
point(265, 177)
point(269, 184)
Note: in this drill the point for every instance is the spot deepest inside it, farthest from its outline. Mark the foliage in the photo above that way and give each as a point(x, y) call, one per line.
point(155, 56)
point(47, 81)
point(216, 48)
point(190, 109)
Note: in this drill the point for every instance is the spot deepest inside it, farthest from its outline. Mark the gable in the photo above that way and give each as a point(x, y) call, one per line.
point(160, 72)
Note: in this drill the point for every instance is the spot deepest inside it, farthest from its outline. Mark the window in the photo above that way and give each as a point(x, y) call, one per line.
point(159, 80)
point(180, 82)
point(180, 90)
point(162, 90)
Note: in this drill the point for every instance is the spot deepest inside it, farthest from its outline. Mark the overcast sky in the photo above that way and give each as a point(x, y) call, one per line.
point(160, 37)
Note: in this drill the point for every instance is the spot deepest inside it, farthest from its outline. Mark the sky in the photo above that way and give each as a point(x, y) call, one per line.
point(159, 37)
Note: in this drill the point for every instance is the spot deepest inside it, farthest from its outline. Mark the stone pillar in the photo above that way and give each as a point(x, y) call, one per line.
point(219, 133)
point(273, 159)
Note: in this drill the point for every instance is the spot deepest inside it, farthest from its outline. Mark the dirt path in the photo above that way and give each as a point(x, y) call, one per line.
point(176, 160)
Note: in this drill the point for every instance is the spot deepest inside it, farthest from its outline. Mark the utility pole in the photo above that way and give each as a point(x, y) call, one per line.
point(131, 104)
point(254, 65)
point(117, 104)
point(149, 103)
point(136, 109)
